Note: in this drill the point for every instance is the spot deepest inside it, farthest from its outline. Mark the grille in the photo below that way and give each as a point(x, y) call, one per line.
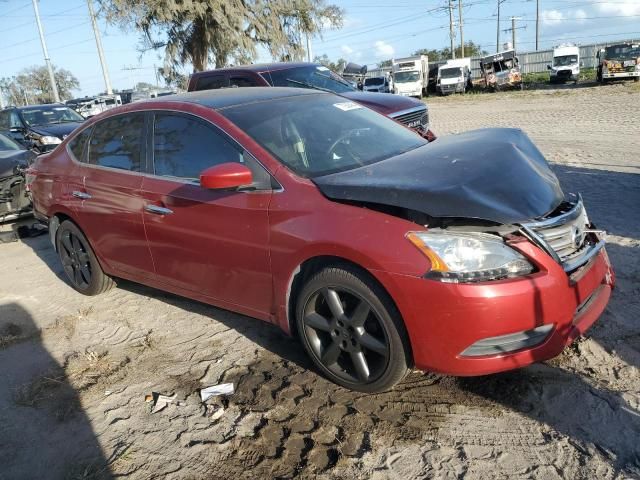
point(448, 88)
point(564, 73)
point(418, 118)
point(564, 233)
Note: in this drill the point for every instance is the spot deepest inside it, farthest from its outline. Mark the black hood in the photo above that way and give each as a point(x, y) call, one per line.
point(493, 174)
point(59, 130)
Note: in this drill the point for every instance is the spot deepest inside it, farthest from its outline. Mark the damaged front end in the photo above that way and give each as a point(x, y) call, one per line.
point(476, 194)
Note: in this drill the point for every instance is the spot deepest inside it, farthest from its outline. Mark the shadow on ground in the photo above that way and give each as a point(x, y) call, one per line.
point(44, 432)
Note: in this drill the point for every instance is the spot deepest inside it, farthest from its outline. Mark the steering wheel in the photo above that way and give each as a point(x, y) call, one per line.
point(342, 139)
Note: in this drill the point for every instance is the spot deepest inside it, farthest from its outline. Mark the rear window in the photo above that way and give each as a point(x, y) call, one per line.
point(211, 82)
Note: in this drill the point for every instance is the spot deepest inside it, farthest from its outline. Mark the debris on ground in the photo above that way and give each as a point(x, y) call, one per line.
point(160, 402)
point(215, 390)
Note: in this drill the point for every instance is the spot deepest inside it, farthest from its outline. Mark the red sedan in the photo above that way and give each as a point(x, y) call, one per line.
point(379, 250)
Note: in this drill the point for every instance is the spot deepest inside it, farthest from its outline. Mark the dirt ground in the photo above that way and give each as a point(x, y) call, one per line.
point(74, 371)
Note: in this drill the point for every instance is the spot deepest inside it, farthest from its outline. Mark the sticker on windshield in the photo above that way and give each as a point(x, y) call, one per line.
point(346, 106)
point(322, 68)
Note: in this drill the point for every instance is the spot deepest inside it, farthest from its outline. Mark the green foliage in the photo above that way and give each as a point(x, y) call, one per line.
point(336, 66)
point(220, 32)
point(471, 49)
point(32, 86)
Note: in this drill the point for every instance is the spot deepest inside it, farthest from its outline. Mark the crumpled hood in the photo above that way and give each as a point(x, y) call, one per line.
point(494, 174)
point(385, 103)
point(59, 130)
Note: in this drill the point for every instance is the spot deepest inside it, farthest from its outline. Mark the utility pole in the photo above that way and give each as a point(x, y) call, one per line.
point(513, 30)
point(309, 59)
point(103, 64)
point(47, 60)
point(498, 29)
point(453, 51)
point(537, 22)
point(461, 32)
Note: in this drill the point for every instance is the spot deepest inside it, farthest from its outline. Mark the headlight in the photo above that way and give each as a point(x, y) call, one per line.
point(469, 257)
point(49, 140)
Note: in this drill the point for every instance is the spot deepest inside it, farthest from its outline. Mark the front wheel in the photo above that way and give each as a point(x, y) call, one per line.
point(352, 330)
point(79, 262)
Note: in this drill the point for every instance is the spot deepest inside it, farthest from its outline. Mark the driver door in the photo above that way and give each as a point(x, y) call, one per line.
point(210, 242)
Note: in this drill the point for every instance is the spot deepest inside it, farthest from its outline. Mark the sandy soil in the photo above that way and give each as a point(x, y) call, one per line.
point(74, 371)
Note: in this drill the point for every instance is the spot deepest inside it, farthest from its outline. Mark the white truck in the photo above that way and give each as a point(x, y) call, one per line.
point(454, 76)
point(565, 65)
point(411, 75)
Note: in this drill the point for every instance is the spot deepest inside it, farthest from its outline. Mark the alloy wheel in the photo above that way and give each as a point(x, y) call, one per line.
point(346, 335)
point(75, 259)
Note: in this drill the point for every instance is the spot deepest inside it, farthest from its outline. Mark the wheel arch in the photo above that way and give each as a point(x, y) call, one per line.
point(312, 265)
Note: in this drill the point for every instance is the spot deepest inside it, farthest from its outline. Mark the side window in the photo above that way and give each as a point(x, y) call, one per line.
point(183, 147)
point(241, 81)
point(4, 121)
point(117, 142)
point(79, 144)
point(211, 82)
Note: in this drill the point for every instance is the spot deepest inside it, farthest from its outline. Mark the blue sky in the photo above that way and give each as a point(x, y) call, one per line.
point(373, 31)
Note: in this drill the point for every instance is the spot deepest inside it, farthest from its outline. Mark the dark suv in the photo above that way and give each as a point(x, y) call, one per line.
point(408, 111)
point(39, 127)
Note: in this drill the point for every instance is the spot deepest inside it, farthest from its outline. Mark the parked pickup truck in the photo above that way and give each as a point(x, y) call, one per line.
point(409, 111)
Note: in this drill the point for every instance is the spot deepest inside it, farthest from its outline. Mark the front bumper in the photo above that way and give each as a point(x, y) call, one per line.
point(445, 320)
point(632, 74)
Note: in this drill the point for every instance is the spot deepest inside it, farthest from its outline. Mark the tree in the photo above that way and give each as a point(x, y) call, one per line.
point(204, 32)
point(471, 49)
point(336, 67)
point(31, 85)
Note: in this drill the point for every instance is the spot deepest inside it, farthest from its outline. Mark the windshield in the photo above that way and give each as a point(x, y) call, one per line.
point(405, 77)
point(622, 52)
point(8, 144)
point(565, 60)
point(309, 76)
point(49, 115)
point(450, 72)
point(374, 81)
point(319, 134)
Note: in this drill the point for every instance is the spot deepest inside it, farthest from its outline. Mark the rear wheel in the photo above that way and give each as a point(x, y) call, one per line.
point(352, 330)
point(79, 262)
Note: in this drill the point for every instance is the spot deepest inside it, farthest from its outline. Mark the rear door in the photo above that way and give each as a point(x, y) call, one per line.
point(109, 203)
point(213, 242)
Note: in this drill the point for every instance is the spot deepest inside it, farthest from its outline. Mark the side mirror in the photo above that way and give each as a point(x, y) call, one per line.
point(582, 64)
point(226, 175)
point(548, 67)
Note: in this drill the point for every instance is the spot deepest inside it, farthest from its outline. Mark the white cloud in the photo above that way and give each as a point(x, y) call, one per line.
point(552, 17)
point(383, 50)
point(625, 8)
point(346, 49)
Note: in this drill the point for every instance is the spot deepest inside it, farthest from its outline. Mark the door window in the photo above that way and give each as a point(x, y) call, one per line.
point(117, 142)
point(211, 82)
point(14, 120)
point(184, 146)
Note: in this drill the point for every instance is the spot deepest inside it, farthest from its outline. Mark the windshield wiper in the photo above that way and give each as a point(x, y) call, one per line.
point(308, 85)
point(344, 84)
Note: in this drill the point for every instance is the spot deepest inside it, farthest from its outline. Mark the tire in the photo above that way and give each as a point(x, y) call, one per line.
point(636, 79)
point(80, 265)
point(352, 330)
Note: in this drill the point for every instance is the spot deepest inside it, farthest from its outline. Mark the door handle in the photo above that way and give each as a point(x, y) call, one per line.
point(82, 195)
point(158, 210)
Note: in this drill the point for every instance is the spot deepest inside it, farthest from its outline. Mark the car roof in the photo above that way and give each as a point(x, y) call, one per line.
point(229, 97)
point(261, 67)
